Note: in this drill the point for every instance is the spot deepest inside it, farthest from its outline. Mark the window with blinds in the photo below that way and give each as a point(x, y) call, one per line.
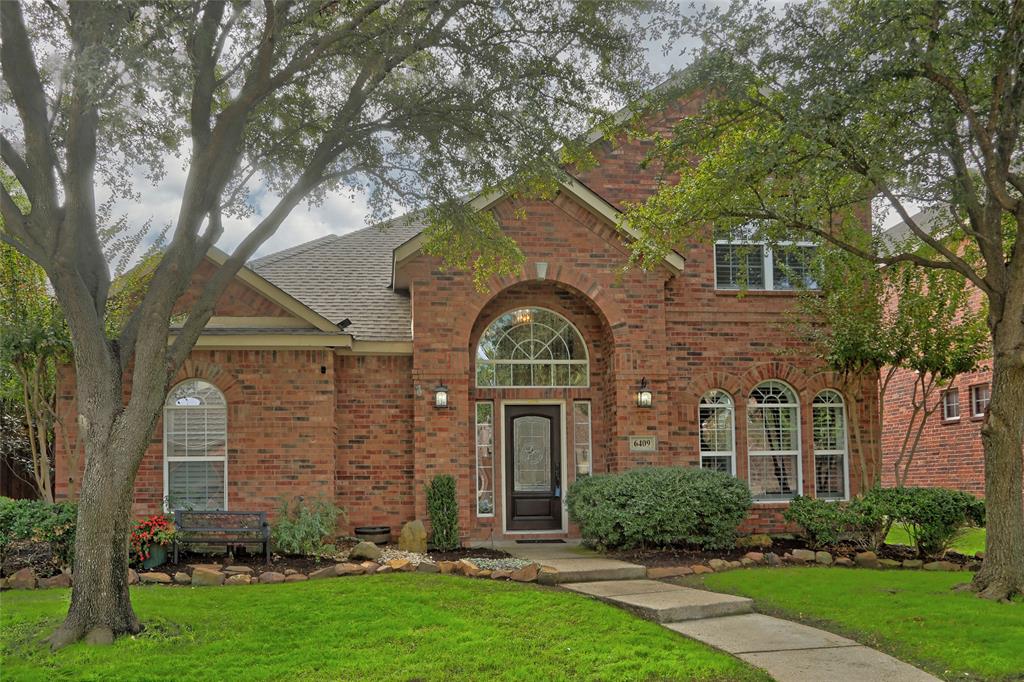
point(195, 447)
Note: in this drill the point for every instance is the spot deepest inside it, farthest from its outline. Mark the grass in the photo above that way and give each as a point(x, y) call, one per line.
point(394, 627)
point(971, 541)
point(912, 615)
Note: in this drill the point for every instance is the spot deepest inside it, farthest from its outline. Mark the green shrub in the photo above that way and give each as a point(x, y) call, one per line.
point(823, 522)
point(41, 522)
point(443, 508)
point(302, 526)
point(934, 517)
point(659, 506)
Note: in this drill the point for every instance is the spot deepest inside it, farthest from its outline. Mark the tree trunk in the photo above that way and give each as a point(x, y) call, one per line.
point(1002, 572)
point(99, 598)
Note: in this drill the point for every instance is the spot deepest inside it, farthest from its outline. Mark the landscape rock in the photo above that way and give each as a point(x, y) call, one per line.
point(182, 578)
point(843, 561)
point(889, 563)
point(155, 577)
point(483, 573)
point(501, 575)
point(526, 574)
point(244, 570)
point(446, 567)
point(940, 566)
point(238, 579)
point(401, 565)
point(269, 577)
point(428, 567)
point(803, 555)
point(133, 577)
point(296, 578)
point(734, 564)
point(698, 569)
point(756, 557)
point(772, 559)
point(413, 538)
point(99, 636)
point(718, 564)
point(661, 572)
point(208, 567)
point(867, 560)
point(60, 580)
point(823, 558)
point(370, 566)
point(912, 563)
point(205, 577)
point(23, 579)
point(366, 551)
point(349, 568)
point(290, 571)
point(756, 540)
point(744, 561)
point(325, 572)
point(385, 569)
point(467, 568)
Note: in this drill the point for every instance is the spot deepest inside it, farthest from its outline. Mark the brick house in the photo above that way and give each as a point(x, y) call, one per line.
point(354, 367)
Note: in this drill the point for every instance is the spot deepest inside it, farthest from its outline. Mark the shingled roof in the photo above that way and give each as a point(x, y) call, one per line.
point(348, 276)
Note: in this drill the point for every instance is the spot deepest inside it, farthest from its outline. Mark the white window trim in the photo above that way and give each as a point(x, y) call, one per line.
point(476, 429)
point(945, 405)
point(845, 452)
point(585, 361)
point(768, 265)
point(590, 438)
point(974, 402)
point(767, 453)
point(217, 458)
point(732, 425)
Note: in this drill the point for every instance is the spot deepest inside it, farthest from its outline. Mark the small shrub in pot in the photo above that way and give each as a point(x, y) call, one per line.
point(659, 506)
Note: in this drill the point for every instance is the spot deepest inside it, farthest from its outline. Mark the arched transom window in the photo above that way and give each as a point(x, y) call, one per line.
point(531, 347)
point(717, 432)
point(773, 442)
point(195, 447)
point(830, 457)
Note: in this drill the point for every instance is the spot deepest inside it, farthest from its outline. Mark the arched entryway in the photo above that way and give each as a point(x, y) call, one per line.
point(539, 353)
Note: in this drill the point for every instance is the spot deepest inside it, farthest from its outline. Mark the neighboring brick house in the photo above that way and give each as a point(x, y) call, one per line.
point(324, 366)
point(950, 453)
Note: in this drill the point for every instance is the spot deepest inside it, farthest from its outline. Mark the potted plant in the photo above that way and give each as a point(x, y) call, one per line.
point(150, 539)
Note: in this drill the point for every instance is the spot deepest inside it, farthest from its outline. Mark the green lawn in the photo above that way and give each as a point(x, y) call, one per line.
point(394, 627)
point(911, 615)
point(971, 541)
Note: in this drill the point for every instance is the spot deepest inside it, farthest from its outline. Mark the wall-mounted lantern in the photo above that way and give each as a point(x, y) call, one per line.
point(644, 397)
point(441, 396)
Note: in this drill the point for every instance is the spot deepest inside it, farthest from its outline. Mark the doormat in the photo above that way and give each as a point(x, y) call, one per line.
point(540, 542)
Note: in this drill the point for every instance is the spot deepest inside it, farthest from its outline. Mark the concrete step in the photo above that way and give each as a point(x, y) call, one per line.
point(664, 603)
point(589, 570)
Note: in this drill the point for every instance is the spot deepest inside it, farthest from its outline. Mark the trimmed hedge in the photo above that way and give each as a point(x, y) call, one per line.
point(38, 521)
point(659, 506)
point(934, 517)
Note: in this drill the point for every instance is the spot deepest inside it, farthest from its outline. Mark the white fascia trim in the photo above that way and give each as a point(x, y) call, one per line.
point(275, 294)
point(271, 341)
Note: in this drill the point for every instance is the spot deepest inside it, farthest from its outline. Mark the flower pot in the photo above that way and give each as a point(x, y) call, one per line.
point(157, 557)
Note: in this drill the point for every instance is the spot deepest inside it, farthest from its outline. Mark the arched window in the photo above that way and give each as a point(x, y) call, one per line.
point(830, 450)
point(195, 447)
point(773, 442)
point(717, 432)
point(531, 347)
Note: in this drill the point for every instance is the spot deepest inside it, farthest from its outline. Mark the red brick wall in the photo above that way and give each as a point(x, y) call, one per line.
point(238, 300)
point(281, 427)
point(374, 414)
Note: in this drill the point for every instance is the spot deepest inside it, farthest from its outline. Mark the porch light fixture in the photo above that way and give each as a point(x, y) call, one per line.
point(441, 396)
point(644, 397)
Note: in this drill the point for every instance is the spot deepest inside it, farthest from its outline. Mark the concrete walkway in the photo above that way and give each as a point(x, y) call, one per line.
point(789, 652)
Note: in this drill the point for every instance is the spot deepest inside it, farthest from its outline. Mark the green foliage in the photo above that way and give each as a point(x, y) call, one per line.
point(933, 517)
point(443, 508)
point(823, 522)
point(659, 506)
point(38, 521)
point(302, 526)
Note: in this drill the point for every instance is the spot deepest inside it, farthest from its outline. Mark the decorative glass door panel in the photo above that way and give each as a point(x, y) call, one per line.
point(532, 442)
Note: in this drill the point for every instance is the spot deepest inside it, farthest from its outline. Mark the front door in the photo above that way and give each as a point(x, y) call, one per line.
point(533, 476)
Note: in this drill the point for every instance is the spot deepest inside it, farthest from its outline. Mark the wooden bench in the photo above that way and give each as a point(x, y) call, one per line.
point(221, 527)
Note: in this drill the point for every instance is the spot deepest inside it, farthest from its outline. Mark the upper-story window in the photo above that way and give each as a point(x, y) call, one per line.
point(980, 396)
point(951, 405)
point(743, 264)
point(195, 447)
point(531, 347)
